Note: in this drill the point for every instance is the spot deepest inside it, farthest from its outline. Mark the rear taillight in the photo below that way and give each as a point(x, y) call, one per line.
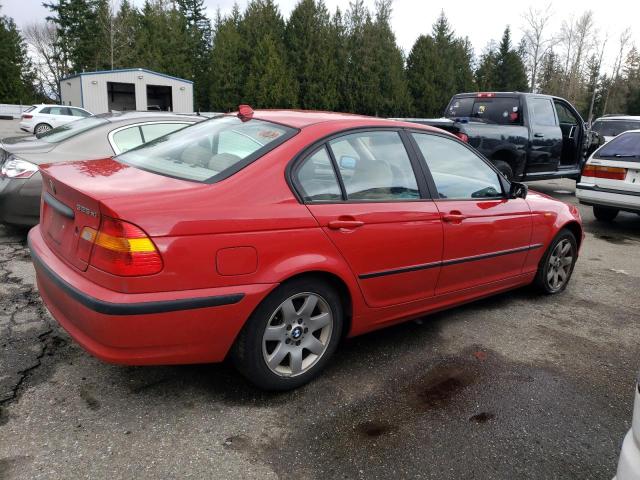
point(121, 248)
point(597, 171)
point(27, 117)
point(463, 136)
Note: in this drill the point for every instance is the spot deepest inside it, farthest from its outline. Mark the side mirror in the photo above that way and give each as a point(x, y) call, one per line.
point(518, 190)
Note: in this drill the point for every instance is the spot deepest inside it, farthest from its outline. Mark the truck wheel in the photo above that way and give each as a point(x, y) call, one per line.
point(505, 169)
point(605, 214)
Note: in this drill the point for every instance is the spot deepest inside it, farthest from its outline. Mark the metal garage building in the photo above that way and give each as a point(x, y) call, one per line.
point(127, 89)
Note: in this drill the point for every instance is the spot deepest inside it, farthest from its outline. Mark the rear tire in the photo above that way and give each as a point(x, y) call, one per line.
point(556, 266)
point(605, 214)
point(504, 168)
point(291, 336)
point(42, 128)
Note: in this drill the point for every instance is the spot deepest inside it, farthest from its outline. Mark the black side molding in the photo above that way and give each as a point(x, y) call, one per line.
point(58, 206)
point(446, 263)
point(139, 308)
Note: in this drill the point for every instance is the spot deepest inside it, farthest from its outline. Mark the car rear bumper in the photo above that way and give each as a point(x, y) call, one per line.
point(629, 463)
point(26, 126)
point(590, 194)
point(188, 326)
point(20, 200)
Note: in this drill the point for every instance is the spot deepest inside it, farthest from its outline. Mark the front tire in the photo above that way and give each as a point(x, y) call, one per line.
point(290, 337)
point(605, 214)
point(556, 266)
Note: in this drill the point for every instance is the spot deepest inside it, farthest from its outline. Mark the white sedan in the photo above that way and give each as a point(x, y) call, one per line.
point(42, 118)
point(629, 463)
point(610, 180)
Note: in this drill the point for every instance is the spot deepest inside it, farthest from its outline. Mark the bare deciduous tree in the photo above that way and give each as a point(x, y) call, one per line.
point(623, 42)
point(536, 41)
point(42, 39)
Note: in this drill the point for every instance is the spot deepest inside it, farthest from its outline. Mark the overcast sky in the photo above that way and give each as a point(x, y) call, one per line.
point(480, 21)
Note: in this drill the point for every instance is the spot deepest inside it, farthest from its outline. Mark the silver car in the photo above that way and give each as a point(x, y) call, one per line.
point(99, 136)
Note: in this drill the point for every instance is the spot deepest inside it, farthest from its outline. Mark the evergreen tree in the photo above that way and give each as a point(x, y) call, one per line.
point(16, 75)
point(126, 31)
point(632, 77)
point(511, 71)
point(198, 35)
point(438, 67)
point(227, 72)
point(487, 72)
point(312, 55)
point(551, 75)
point(77, 23)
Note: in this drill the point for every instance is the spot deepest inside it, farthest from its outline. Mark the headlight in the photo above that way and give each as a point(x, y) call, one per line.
point(13, 167)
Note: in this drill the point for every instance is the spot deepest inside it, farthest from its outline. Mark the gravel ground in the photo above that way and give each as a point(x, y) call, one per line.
point(515, 386)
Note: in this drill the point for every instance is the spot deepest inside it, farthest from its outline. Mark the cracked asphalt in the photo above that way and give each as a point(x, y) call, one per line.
point(515, 386)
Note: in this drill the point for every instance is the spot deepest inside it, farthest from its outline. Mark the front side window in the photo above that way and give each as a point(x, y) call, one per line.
point(76, 112)
point(565, 115)
point(375, 166)
point(456, 170)
point(208, 150)
point(317, 179)
point(543, 113)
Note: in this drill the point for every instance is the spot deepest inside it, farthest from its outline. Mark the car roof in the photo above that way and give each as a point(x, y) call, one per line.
point(116, 117)
point(306, 118)
point(618, 117)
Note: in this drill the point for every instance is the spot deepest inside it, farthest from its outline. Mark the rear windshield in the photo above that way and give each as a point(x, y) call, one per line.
point(625, 146)
point(71, 129)
point(210, 150)
point(30, 109)
point(611, 128)
point(493, 110)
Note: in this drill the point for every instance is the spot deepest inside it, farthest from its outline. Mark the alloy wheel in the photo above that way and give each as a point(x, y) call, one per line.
point(42, 128)
point(560, 265)
point(297, 334)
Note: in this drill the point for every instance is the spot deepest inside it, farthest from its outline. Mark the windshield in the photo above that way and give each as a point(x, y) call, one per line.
point(625, 146)
point(611, 128)
point(208, 151)
point(71, 129)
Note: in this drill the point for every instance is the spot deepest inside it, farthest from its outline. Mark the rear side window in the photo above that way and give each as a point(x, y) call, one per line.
point(542, 112)
point(375, 166)
point(317, 178)
point(492, 110)
point(456, 170)
point(625, 147)
point(46, 110)
point(210, 150)
point(127, 138)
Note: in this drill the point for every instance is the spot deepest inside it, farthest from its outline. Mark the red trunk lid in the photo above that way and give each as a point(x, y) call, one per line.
point(75, 196)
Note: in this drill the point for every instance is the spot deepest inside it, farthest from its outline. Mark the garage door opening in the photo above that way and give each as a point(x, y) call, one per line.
point(122, 96)
point(159, 98)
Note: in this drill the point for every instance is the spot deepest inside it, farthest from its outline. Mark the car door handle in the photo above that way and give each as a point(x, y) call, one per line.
point(344, 224)
point(454, 216)
point(538, 135)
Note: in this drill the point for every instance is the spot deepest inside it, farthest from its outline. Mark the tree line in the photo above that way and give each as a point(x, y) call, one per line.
point(315, 59)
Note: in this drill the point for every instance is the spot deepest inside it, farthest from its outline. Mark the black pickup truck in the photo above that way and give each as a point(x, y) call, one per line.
point(527, 136)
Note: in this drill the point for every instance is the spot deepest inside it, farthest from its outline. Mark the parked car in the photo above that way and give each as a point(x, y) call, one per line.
point(610, 126)
point(42, 118)
point(526, 136)
point(271, 235)
point(610, 180)
point(98, 136)
point(629, 463)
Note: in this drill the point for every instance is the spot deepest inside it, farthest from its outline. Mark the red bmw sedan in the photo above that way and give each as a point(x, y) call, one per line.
point(268, 236)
